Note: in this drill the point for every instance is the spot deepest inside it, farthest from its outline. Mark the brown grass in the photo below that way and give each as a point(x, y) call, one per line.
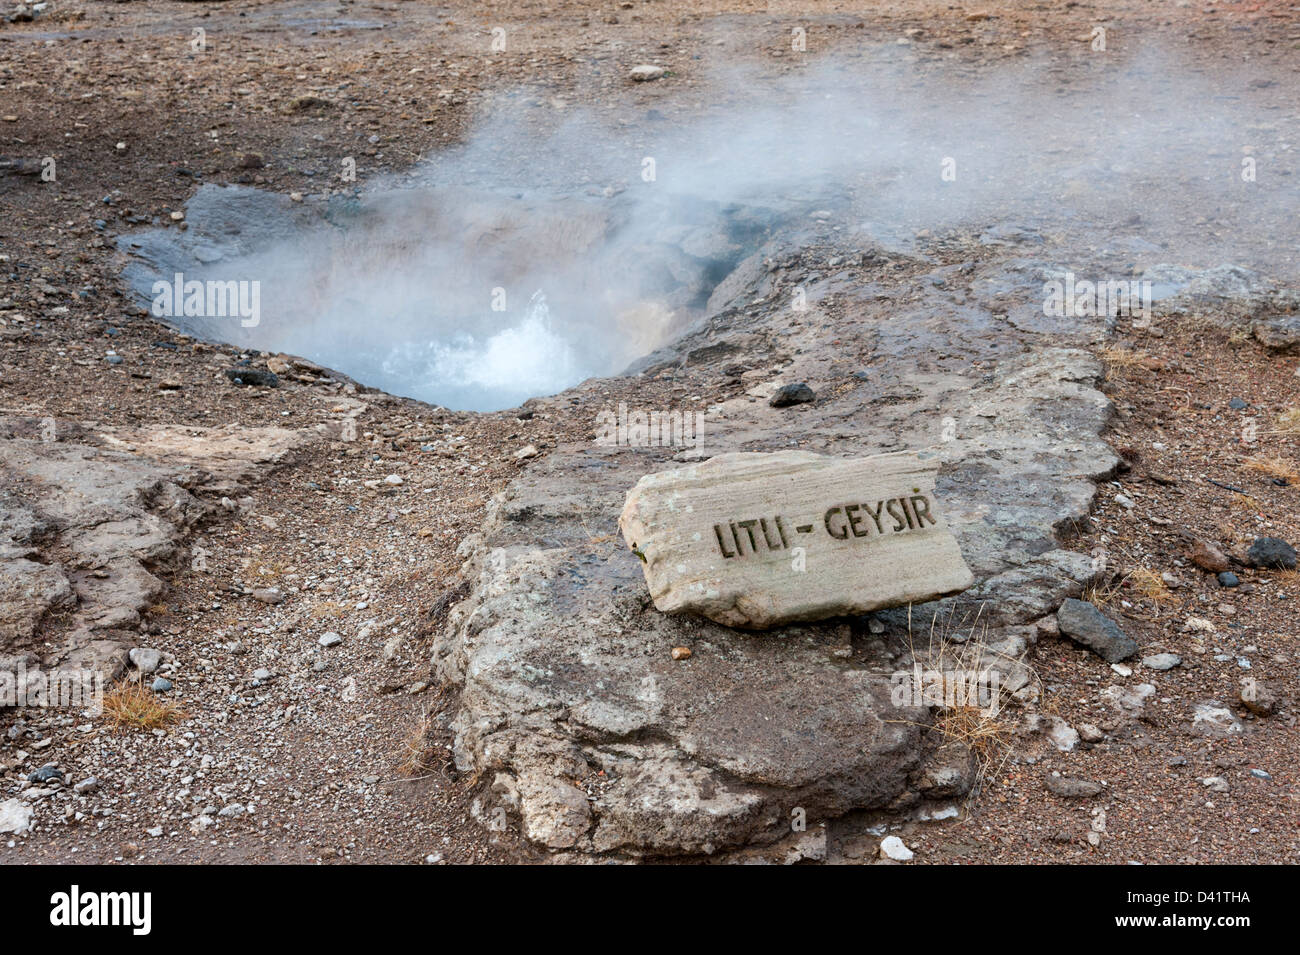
point(1289, 421)
point(1244, 502)
point(130, 706)
point(1122, 359)
point(259, 569)
point(981, 729)
point(1147, 583)
point(1103, 593)
point(418, 752)
point(327, 608)
point(1281, 468)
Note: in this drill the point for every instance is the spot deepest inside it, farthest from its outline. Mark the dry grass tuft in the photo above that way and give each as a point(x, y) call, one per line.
point(1147, 583)
point(1104, 592)
point(1280, 468)
point(1244, 502)
point(419, 753)
point(1122, 359)
point(273, 571)
point(130, 706)
point(328, 608)
point(1289, 421)
point(962, 648)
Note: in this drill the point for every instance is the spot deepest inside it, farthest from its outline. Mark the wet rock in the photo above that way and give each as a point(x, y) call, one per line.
point(46, 774)
point(1271, 552)
point(1069, 788)
point(1086, 625)
point(257, 377)
point(793, 394)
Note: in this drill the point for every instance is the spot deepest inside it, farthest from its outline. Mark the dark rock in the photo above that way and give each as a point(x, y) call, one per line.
point(46, 774)
point(253, 376)
point(1085, 624)
point(795, 394)
point(1236, 404)
point(1271, 552)
point(1228, 579)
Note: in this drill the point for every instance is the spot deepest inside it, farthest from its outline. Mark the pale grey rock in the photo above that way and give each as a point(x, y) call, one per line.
point(15, 816)
point(103, 511)
point(145, 660)
point(1215, 720)
point(892, 847)
point(1162, 661)
point(555, 812)
point(1063, 736)
point(646, 72)
point(564, 668)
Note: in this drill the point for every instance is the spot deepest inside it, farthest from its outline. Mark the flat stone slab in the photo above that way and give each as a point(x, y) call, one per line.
point(756, 540)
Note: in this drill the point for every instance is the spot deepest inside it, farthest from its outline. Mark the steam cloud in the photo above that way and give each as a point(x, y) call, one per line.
point(538, 254)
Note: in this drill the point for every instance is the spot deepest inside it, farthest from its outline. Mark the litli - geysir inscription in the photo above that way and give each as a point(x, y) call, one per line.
point(737, 538)
point(859, 534)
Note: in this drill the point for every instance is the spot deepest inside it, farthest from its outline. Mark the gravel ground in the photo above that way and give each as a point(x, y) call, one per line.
point(315, 761)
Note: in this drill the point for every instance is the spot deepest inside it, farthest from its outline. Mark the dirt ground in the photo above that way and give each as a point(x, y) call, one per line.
point(135, 119)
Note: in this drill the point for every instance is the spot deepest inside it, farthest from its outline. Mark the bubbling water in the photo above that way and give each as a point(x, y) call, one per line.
point(498, 371)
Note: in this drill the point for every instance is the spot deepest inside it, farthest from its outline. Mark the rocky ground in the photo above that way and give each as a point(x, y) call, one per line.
point(294, 554)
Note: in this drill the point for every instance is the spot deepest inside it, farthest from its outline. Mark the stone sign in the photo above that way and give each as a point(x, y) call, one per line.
point(759, 540)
